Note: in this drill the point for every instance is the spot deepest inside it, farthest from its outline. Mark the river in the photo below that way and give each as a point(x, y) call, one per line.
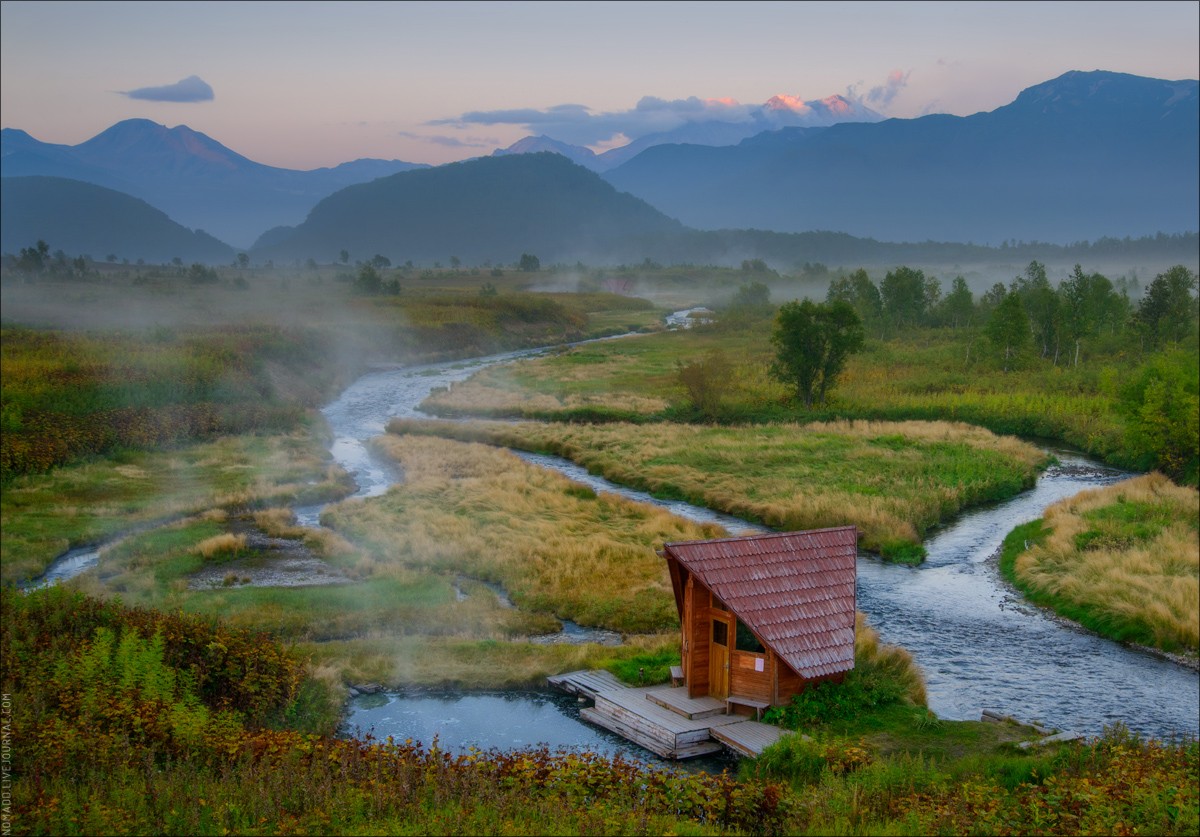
point(979, 644)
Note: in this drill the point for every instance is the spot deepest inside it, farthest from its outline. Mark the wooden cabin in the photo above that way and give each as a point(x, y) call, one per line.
point(765, 616)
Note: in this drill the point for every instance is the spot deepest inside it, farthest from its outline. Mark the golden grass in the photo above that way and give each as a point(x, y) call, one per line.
point(892, 480)
point(496, 391)
point(221, 546)
point(553, 545)
point(896, 661)
point(1129, 553)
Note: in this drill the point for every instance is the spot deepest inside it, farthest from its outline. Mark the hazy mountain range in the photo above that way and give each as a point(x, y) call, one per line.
point(1083, 156)
point(776, 113)
point(1080, 157)
point(190, 176)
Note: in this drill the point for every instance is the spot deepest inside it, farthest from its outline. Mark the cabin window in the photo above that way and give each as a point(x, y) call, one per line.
point(718, 604)
point(747, 641)
point(720, 632)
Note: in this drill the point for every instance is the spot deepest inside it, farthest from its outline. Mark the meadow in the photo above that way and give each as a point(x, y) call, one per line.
point(1123, 560)
point(923, 374)
point(893, 480)
point(151, 704)
point(132, 721)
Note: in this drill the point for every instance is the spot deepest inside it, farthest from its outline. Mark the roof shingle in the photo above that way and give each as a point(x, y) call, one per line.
point(794, 590)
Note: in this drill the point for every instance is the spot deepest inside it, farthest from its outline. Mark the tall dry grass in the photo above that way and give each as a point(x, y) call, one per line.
point(893, 480)
point(894, 661)
point(1127, 553)
point(555, 546)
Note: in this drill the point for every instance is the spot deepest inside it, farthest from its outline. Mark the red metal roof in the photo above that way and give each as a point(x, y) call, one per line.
point(794, 590)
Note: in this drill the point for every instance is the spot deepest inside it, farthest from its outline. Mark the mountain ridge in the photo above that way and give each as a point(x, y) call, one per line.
point(195, 179)
point(1079, 157)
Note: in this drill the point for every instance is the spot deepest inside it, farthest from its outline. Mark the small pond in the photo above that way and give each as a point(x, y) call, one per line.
point(499, 720)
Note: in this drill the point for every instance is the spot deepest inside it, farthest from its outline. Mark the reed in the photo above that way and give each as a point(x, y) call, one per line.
point(472, 510)
point(1124, 559)
point(893, 480)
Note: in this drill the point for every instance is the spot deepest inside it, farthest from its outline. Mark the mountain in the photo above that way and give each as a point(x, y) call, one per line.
point(82, 218)
point(777, 112)
point(535, 145)
point(192, 177)
point(1083, 156)
point(491, 208)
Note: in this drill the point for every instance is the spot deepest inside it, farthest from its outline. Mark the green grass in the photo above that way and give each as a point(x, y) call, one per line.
point(925, 374)
point(893, 481)
point(133, 721)
point(94, 501)
point(1124, 561)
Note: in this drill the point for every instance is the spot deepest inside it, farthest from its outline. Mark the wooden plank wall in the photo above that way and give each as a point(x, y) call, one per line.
point(747, 682)
point(791, 683)
point(699, 636)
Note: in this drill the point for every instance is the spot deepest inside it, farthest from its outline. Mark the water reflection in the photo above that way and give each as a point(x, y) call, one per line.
point(499, 720)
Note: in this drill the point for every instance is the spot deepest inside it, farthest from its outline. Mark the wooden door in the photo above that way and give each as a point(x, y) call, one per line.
point(718, 659)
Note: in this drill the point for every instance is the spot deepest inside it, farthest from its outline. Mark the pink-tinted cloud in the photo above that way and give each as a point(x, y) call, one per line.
point(577, 124)
point(882, 95)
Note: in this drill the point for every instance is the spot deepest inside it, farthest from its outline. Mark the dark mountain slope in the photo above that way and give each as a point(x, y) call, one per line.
point(82, 218)
point(1077, 158)
point(493, 208)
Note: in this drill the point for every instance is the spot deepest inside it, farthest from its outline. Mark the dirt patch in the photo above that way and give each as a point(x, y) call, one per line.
point(269, 562)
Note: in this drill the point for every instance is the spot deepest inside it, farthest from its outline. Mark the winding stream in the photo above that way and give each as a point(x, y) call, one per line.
point(978, 643)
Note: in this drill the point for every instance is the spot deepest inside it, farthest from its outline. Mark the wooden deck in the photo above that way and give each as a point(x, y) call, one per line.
point(748, 738)
point(665, 720)
point(586, 683)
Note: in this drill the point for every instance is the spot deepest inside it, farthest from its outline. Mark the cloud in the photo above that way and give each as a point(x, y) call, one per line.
point(578, 124)
point(451, 142)
point(882, 95)
point(190, 89)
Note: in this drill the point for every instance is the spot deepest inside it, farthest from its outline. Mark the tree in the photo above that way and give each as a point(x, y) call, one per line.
point(1089, 303)
point(750, 302)
point(380, 262)
point(33, 259)
point(858, 290)
point(243, 261)
point(706, 381)
point(368, 281)
point(529, 263)
point(1167, 313)
point(344, 256)
point(755, 266)
point(1008, 329)
point(1044, 307)
point(1161, 405)
point(958, 306)
point(812, 343)
point(905, 293)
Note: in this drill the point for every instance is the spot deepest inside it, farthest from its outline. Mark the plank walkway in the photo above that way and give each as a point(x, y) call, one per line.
point(665, 720)
point(748, 738)
point(586, 683)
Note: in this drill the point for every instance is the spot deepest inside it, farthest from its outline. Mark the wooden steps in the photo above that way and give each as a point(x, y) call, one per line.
point(586, 683)
point(665, 720)
point(629, 713)
point(677, 700)
point(748, 738)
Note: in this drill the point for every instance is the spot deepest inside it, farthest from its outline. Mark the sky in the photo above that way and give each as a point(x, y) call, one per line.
point(305, 85)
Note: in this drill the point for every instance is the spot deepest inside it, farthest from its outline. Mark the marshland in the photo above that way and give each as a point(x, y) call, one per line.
point(182, 450)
